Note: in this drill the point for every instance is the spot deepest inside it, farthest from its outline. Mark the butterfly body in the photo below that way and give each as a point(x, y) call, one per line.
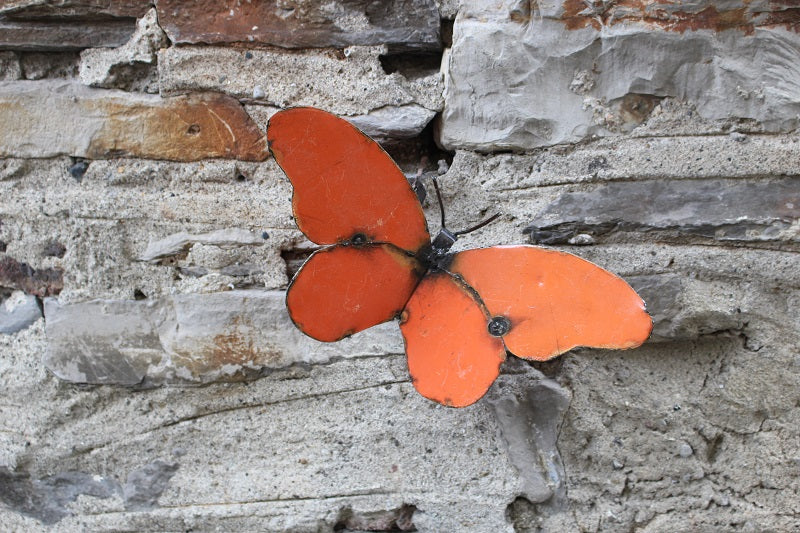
point(459, 312)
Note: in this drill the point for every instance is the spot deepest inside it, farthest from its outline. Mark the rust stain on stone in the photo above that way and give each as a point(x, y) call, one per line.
point(674, 17)
point(40, 282)
point(635, 108)
point(184, 128)
point(235, 347)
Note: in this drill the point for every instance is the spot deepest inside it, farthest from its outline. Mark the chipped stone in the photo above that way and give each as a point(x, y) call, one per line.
point(573, 70)
point(193, 338)
point(684, 308)
point(410, 25)
point(120, 67)
point(529, 413)
point(180, 242)
point(18, 311)
point(48, 499)
point(384, 124)
point(49, 36)
point(63, 118)
point(401, 122)
point(145, 485)
point(353, 83)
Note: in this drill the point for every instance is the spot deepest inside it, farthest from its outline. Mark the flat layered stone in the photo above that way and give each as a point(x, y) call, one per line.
point(352, 82)
point(518, 79)
point(51, 118)
point(192, 338)
point(718, 209)
point(180, 242)
point(38, 9)
point(411, 24)
point(383, 124)
point(47, 36)
point(647, 158)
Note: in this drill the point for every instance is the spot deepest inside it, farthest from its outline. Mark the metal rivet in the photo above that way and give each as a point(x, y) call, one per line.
point(499, 326)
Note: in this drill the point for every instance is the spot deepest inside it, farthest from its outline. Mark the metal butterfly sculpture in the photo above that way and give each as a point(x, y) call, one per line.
point(459, 312)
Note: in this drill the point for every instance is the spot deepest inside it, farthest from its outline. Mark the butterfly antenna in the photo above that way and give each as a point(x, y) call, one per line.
point(478, 226)
point(439, 198)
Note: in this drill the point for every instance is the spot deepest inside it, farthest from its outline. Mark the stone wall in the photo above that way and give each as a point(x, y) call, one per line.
point(150, 378)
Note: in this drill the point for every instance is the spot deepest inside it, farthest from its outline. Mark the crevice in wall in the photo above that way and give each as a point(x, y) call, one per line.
point(400, 519)
point(418, 154)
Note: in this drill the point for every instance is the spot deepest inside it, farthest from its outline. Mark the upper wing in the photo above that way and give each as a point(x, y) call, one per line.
point(452, 358)
point(342, 290)
point(554, 301)
point(344, 183)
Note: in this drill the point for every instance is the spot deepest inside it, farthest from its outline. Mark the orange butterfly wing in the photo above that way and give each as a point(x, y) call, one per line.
point(342, 290)
point(554, 301)
point(344, 183)
point(452, 358)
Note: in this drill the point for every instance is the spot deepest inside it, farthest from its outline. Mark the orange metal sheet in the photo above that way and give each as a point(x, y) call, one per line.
point(555, 301)
point(342, 290)
point(344, 183)
point(452, 358)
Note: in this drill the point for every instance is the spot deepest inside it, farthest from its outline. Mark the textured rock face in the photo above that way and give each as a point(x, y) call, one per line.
point(715, 209)
point(122, 67)
point(115, 124)
point(193, 338)
point(519, 77)
point(67, 25)
point(151, 380)
point(305, 24)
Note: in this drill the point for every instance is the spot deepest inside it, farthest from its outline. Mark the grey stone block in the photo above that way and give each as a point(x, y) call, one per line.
point(192, 338)
point(721, 210)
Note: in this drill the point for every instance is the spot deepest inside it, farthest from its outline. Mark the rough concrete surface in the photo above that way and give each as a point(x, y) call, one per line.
point(151, 380)
point(346, 82)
